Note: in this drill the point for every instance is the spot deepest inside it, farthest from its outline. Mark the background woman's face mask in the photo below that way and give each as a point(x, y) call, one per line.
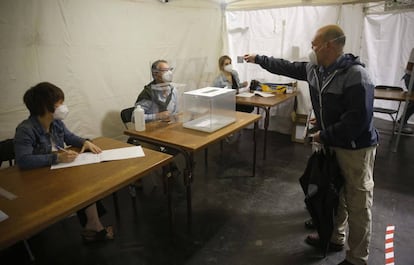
point(228, 68)
point(61, 112)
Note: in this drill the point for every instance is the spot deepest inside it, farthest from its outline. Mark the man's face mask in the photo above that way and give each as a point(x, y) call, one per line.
point(167, 76)
point(61, 112)
point(313, 58)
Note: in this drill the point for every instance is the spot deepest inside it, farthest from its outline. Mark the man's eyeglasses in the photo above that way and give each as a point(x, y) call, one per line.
point(163, 70)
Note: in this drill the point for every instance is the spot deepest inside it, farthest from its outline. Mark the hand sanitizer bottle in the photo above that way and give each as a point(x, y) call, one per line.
point(139, 119)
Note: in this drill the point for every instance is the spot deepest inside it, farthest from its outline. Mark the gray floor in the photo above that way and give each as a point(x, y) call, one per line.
point(237, 219)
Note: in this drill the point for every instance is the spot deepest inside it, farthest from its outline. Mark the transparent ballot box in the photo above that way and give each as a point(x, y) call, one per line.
point(209, 109)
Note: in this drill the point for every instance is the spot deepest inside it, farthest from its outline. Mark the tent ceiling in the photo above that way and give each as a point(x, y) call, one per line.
point(259, 4)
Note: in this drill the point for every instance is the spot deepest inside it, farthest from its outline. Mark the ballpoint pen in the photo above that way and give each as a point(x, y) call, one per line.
point(62, 149)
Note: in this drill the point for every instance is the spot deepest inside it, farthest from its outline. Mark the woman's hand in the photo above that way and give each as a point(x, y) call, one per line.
point(66, 156)
point(88, 145)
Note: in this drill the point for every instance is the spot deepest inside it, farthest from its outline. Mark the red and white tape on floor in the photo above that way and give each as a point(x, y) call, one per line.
point(389, 245)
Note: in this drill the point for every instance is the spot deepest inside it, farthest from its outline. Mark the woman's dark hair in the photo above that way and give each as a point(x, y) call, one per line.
point(42, 97)
point(221, 61)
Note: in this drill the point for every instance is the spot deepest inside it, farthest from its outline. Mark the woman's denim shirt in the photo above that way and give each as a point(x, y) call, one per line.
point(33, 146)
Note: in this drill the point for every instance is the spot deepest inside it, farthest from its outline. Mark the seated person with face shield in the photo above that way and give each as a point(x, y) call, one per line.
point(230, 78)
point(159, 100)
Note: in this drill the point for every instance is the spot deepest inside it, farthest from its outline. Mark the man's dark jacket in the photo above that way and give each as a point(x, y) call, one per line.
point(342, 98)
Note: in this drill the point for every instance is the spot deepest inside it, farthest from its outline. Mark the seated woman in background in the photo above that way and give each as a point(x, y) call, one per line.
point(38, 140)
point(230, 78)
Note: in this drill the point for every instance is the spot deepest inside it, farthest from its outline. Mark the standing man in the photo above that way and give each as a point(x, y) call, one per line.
point(342, 96)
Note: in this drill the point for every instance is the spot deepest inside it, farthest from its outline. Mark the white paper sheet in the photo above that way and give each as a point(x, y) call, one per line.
point(3, 216)
point(122, 153)
point(6, 194)
point(264, 94)
point(106, 155)
point(245, 95)
point(299, 132)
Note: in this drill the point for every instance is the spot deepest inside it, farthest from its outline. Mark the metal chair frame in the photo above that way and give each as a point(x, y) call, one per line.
point(393, 113)
point(7, 154)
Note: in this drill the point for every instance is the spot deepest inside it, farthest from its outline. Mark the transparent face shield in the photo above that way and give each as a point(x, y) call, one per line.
point(165, 101)
point(162, 91)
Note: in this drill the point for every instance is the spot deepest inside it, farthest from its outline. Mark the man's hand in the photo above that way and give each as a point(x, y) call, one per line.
point(250, 58)
point(316, 137)
point(164, 116)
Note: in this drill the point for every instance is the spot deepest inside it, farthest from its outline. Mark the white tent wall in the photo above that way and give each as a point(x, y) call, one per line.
point(287, 33)
point(387, 41)
point(99, 53)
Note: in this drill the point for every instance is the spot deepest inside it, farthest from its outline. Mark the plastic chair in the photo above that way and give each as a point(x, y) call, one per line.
point(7, 154)
point(393, 113)
point(7, 151)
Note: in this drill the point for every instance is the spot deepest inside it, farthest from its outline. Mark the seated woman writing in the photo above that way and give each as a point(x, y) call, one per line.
point(38, 142)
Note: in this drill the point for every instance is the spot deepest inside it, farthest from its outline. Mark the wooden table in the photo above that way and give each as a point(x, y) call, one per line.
point(187, 141)
point(265, 103)
point(46, 196)
point(393, 95)
point(396, 96)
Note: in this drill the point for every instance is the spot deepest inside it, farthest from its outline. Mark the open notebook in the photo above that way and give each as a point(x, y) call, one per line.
point(106, 155)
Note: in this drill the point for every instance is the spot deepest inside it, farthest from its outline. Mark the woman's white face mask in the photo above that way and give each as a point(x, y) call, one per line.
point(228, 68)
point(61, 112)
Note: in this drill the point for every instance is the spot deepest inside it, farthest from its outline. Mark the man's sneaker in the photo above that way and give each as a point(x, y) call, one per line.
point(313, 240)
